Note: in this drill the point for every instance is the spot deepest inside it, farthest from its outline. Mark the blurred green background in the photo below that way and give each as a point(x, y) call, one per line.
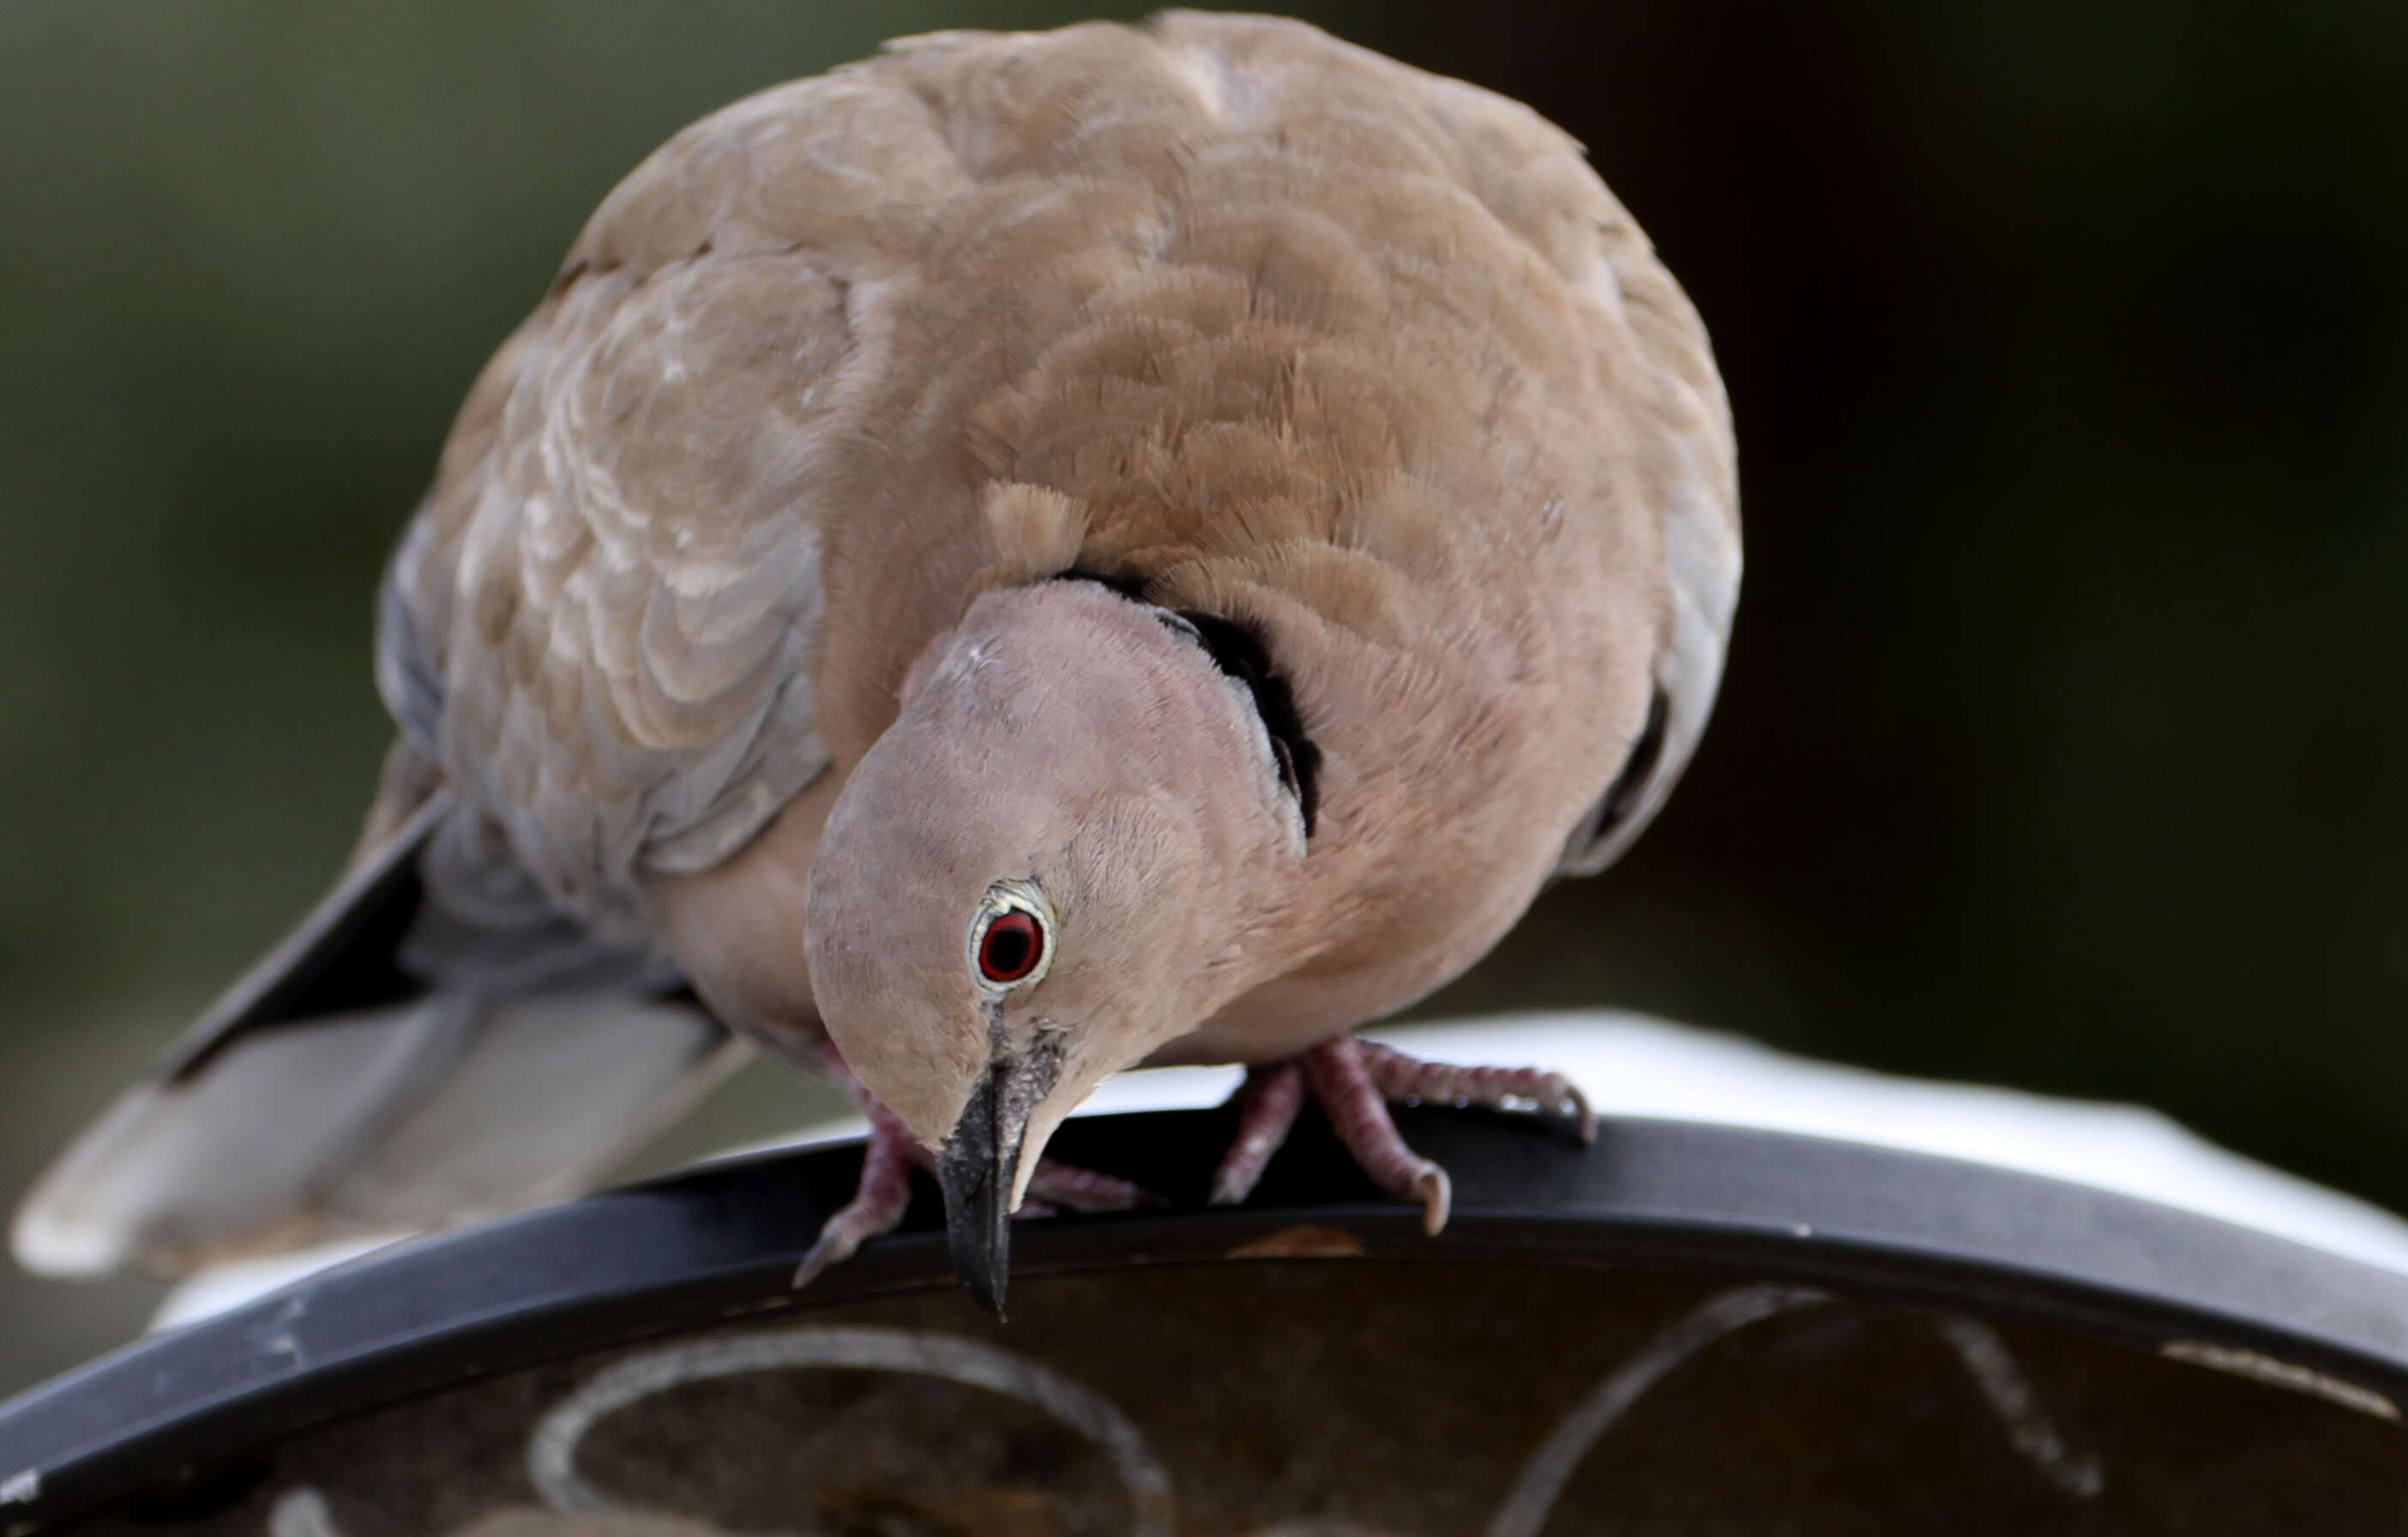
point(2063, 739)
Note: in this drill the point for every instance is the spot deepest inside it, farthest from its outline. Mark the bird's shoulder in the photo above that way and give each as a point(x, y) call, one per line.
point(598, 620)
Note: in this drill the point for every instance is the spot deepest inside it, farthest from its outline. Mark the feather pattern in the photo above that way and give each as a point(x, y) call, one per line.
point(1357, 365)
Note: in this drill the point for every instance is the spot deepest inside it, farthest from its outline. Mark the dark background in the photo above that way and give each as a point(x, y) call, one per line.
point(2063, 736)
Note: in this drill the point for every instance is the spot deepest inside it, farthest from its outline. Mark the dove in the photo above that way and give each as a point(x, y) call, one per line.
point(1023, 557)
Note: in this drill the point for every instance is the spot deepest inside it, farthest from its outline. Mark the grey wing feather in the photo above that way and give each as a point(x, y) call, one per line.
point(1690, 470)
point(1704, 576)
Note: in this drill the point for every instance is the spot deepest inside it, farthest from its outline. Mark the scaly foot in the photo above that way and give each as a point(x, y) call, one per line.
point(1355, 1081)
point(1410, 1081)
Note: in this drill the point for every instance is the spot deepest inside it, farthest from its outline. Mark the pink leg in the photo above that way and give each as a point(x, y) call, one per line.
point(878, 1202)
point(1335, 1073)
point(1267, 1111)
point(1410, 1079)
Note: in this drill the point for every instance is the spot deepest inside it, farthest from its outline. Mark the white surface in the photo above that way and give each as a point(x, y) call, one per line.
point(1630, 1065)
point(237, 1281)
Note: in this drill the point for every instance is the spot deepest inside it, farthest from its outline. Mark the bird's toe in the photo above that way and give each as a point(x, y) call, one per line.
point(1075, 1189)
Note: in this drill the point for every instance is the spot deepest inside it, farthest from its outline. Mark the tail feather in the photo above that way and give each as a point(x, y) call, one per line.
point(332, 1093)
point(385, 1121)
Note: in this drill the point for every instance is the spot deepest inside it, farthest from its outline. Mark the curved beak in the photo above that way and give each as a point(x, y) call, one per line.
point(978, 1167)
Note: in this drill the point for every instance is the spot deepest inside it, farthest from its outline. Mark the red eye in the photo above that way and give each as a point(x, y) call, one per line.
point(1011, 947)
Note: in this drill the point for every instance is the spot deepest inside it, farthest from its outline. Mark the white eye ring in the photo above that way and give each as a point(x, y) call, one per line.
point(1024, 901)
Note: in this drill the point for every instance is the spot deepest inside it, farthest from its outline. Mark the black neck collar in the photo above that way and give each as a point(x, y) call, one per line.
point(1238, 648)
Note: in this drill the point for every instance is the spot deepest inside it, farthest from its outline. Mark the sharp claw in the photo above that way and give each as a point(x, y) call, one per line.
point(1231, 1186)
point(1576, 1105)
point(831, 1248)
point(1437, 1193)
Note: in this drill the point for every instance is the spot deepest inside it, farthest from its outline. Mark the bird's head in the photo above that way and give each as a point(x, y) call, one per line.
point(1051, 865)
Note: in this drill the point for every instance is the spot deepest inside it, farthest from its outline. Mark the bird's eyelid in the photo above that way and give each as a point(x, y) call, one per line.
point(1020, 894)
point(1002, 898)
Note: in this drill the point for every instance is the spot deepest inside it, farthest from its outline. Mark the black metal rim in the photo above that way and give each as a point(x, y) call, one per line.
point(721, 1240)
